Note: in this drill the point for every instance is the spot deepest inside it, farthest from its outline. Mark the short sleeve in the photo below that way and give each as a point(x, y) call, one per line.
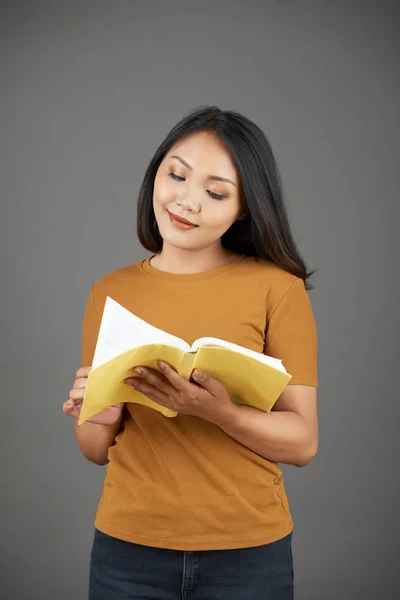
point(90, 330)
point(292, 337)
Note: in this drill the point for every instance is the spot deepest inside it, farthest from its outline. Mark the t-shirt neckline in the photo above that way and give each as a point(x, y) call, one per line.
point(147, 268)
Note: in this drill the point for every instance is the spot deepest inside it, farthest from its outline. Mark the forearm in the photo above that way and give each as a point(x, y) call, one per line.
point(95, 440)
point(280, 436)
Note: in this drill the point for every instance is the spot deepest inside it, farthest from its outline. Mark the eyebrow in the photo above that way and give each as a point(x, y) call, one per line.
point(213, 177)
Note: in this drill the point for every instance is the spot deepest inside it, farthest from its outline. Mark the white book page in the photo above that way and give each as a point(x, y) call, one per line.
point(276, 363)
point(121, 330)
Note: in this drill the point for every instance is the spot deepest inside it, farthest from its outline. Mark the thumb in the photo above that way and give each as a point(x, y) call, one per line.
point(208, 383)
point(72, 409)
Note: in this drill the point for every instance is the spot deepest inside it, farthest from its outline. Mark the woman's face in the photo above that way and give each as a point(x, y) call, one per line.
point(198, 182)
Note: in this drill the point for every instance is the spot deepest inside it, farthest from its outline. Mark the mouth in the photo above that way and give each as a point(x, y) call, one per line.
point(180, 222)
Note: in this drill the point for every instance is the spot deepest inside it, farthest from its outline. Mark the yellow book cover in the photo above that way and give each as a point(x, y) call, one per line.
point(126, 341)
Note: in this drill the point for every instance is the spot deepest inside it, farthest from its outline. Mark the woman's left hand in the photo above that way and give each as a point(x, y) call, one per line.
point(208, 398)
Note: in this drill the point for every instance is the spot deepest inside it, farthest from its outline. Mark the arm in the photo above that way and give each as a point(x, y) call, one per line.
point(95, 440)
point(288, 434)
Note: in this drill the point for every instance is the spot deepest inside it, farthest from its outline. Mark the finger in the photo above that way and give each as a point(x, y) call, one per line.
point(76, 395)
point(151, 391)
point(213, 386)
point(154, 378)
point(83, 372)
point(178, 382)
point(80, 383)
point(71, 409)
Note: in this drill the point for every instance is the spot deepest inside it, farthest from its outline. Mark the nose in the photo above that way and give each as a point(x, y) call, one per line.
point(189, 205)
point(188, 201)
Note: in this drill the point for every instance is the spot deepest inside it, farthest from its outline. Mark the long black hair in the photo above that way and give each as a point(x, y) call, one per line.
point(265, 231)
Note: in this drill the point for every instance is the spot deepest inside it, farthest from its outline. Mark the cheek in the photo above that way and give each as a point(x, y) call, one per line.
point(222, 216)
point(162, 191)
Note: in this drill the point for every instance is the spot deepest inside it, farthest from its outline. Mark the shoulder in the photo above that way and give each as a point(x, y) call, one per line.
point(270, 271)
point(275, 281)
point(116, 282)
point(277, 286)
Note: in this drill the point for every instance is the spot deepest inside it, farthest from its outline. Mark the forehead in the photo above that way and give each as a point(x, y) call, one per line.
point(205, 151)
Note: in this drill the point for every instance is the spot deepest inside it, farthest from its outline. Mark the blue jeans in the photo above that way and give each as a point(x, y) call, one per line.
point(120, 570)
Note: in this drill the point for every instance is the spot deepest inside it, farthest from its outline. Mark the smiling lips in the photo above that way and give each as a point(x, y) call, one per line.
point(180, 222)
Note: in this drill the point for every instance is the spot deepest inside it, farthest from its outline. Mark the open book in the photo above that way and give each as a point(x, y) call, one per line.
point(125, 341)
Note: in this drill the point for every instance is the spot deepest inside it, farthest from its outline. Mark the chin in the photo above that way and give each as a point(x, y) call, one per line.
point(177, 242)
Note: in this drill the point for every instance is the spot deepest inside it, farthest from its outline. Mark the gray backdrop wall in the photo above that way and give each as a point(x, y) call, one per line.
point(89, 89)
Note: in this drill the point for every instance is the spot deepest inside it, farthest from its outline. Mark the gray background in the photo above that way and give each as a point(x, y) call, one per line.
point(89, 89)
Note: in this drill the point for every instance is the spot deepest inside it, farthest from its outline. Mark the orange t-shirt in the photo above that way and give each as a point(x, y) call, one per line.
point(183, 483)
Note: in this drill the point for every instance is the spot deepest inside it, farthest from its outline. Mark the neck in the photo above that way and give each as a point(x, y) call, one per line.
point(185, 262)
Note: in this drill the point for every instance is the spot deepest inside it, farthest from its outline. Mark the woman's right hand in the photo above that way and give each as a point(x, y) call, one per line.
point(73, 405)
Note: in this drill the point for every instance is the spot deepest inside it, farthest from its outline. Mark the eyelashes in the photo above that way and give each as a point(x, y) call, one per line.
point(175, 176)
point(214, 195)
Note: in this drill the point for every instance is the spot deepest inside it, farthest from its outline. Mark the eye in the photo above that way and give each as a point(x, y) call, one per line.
point(215, 195)
point(175, 176)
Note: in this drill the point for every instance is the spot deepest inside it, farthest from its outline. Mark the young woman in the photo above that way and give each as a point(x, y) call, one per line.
point(194, 506)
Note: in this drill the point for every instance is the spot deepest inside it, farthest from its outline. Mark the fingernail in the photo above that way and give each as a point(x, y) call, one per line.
point(197, 374)
point(138, 371)
point(161, 365)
